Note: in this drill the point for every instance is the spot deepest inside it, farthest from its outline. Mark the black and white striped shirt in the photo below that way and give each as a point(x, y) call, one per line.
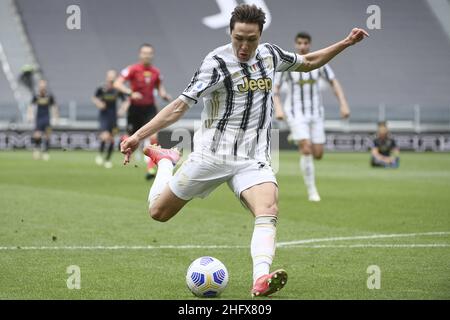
point(303, 93)
point(237, 97)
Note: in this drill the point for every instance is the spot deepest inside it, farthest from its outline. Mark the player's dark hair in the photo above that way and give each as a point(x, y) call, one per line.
point(303, 35)
point(248, 14)
point(145, 45)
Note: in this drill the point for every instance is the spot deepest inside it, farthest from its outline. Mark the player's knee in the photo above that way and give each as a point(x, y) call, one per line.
point(305, 148)
point(269, 210)
point(158, 214)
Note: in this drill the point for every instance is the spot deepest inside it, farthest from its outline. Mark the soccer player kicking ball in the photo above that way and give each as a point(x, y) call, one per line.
point(233, 144)
point(304, 111)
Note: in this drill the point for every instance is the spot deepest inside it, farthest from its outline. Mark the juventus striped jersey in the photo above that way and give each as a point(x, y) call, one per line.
point(303, 93)
point(237, 97)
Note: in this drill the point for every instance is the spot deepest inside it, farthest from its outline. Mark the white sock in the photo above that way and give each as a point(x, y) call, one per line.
point(263, 245)
point(307, 168)
point(163, 175)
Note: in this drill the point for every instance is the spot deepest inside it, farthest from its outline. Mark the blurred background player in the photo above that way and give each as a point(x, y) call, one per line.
point(304, 111)
point(385, 152)
point(105, 100)
point(143, 78)
point(44, 101)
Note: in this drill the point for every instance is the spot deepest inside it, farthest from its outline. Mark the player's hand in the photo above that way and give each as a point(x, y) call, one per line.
point(102, 105)
point(167, 97)
point(279, 115)
point(128, 146)
point(356, 35)
point(136, 95)
point(345, 111)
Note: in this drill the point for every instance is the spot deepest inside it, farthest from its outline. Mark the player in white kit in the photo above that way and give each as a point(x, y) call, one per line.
point(233, 144)
point(303, 111)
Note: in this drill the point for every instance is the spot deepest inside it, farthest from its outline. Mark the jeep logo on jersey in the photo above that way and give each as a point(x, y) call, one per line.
point(253, 85)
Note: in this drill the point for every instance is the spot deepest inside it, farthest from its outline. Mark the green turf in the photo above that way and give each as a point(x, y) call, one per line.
point(69, 201)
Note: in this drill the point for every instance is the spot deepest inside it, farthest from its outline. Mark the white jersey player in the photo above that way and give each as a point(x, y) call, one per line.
point(303, 110)
point(235, 82)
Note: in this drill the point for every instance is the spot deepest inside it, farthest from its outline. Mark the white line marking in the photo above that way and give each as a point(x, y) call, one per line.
point(108, 248)
point(123, 247)
point(293, 244)
point(375, 236)
point(368, 245)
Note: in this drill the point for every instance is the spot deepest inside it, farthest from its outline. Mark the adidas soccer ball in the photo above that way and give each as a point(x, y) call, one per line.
point(207, 277)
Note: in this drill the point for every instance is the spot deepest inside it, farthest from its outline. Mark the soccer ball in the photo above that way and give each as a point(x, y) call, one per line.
point(207, 277)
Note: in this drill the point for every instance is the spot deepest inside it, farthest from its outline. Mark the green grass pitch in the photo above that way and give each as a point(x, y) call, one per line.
point(69, 201)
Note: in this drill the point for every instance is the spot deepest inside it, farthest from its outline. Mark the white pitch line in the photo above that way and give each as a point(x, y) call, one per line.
point(299, 243)
point(122, 247)
point(368, 245)
point(375, 236)
point(318, 246)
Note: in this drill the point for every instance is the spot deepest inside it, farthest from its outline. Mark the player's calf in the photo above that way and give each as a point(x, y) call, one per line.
point(318, 156)
point(317, 151)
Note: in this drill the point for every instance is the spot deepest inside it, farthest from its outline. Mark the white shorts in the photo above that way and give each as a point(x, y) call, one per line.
point(201, 173)
point(309, 128)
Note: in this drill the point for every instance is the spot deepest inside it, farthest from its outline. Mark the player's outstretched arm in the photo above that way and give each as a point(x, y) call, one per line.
point(318, 58)
point(167, 116)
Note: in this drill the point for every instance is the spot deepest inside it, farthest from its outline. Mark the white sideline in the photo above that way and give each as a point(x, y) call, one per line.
point(368, 245)
point(375, 236)
point(294, 244)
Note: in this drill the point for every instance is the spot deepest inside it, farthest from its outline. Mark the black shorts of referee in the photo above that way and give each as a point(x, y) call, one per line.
point(138, 116)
